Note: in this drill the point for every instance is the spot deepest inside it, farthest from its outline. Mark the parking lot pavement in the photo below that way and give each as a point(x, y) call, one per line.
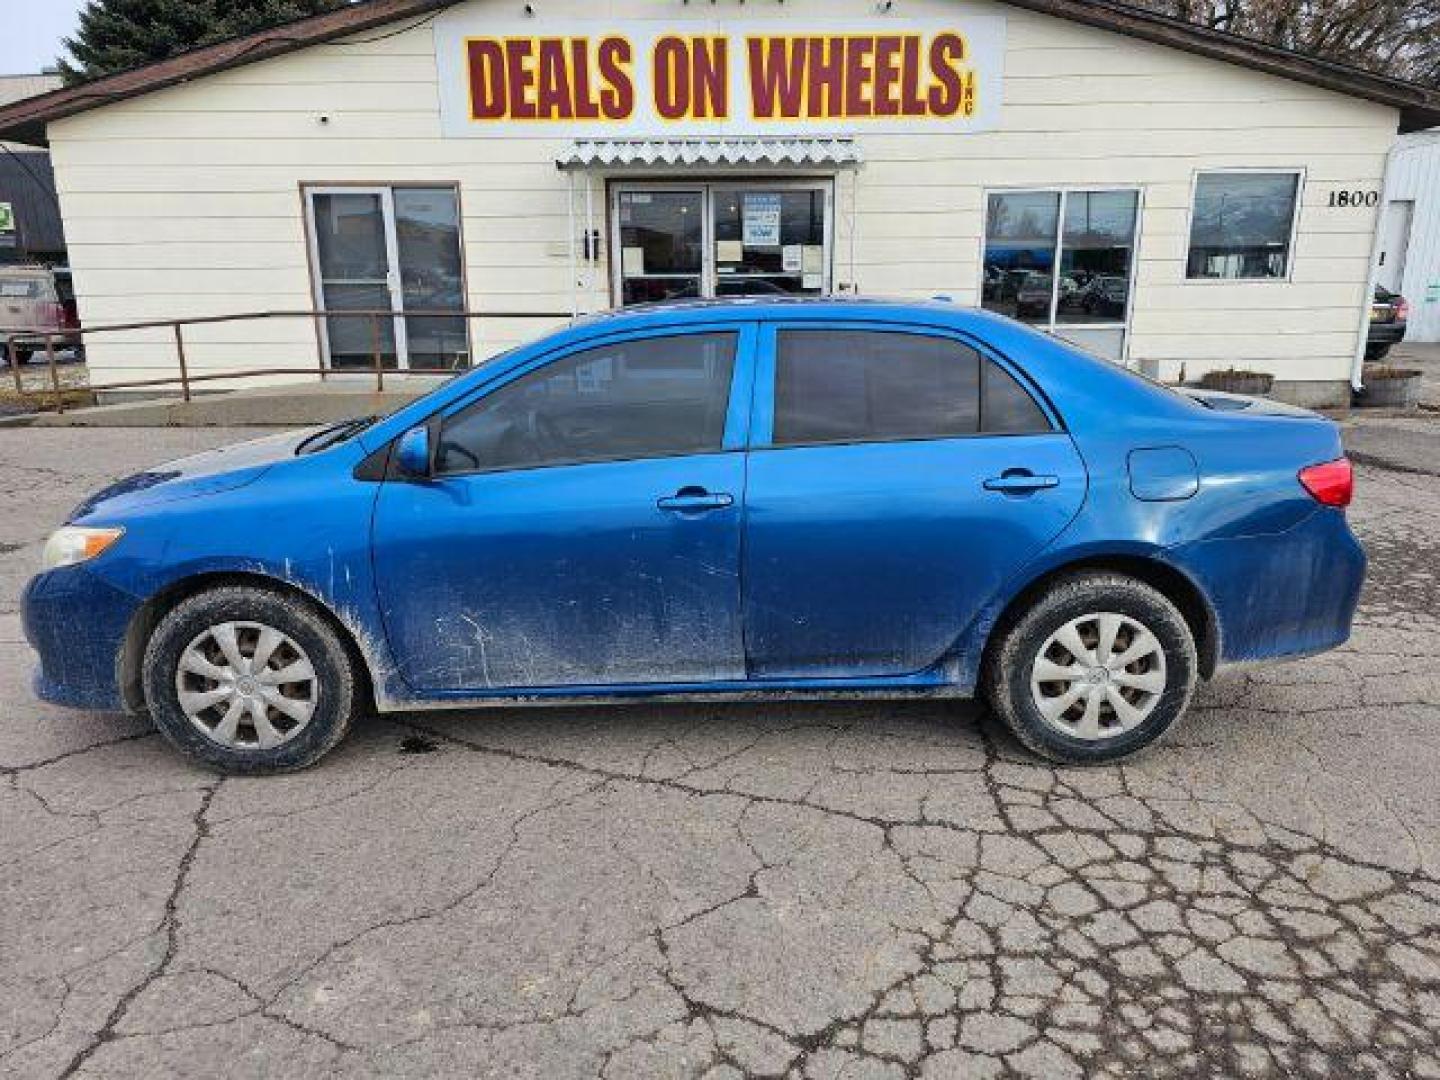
point(841, 890)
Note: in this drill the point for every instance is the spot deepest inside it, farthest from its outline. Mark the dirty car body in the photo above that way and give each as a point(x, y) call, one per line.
point(821, 498)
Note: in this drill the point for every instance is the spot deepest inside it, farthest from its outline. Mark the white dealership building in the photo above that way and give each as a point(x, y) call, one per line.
point(1170, 197)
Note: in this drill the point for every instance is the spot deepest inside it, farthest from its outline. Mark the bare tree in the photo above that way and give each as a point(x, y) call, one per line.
point(1400, 38)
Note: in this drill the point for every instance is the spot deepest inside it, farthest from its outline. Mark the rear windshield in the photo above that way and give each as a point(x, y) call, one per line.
point(25, 288)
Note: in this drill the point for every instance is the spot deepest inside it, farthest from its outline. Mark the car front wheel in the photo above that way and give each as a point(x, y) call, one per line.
point(247, 680)
point(1098, 667)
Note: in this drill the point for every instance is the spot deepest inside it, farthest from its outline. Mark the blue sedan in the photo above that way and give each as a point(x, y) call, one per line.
point(724, 499)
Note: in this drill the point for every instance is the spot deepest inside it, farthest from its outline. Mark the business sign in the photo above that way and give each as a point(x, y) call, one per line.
point(765, 77)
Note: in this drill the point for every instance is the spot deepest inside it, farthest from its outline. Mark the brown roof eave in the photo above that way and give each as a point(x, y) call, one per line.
point(1419, 106)
point(24, 121)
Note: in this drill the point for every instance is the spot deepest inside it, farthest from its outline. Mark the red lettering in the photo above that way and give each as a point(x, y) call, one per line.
point(617, 99)
point(946, 97)
point(911, 102)
point(887, 75)
point(826, 78)
point(586, 107)
point(487, 79)
point(520, 78)
point(553, 100)
point(710, 62)
point(672, 78)
point(858, 75)
point(777, 78)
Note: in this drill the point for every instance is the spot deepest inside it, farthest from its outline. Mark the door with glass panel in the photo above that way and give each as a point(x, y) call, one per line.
point(722, 239)
point(393, 253)
point(1064, 261)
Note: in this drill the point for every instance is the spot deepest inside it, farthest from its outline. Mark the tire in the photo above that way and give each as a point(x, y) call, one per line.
point(191, 659)
point(1153, 689)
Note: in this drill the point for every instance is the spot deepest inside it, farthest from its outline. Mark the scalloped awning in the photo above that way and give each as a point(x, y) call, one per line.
point(652, 153)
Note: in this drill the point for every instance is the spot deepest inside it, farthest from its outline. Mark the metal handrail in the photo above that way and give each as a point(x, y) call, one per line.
point(183, 376)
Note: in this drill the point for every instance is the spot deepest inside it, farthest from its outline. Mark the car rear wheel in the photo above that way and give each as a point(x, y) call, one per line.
point(247, 680)
point(1099, 667)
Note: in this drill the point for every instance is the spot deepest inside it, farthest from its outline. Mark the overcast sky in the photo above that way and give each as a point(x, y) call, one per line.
point(30, 32)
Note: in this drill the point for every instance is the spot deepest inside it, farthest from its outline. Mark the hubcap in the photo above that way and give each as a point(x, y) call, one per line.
point(1098, 676)
point(246, 686)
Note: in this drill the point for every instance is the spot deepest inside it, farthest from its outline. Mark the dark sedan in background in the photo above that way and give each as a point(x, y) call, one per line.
point(1388, 314)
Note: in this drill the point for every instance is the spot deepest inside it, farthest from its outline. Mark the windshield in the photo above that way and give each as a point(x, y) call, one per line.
point(24, 288)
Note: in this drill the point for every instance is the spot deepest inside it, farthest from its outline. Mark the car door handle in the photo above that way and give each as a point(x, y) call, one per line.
point(1020, 482)
point(694, 500)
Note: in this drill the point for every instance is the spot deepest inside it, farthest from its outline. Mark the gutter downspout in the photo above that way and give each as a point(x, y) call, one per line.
point(1357, 364)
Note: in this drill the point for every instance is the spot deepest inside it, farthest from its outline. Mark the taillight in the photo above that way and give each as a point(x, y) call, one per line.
point(1402, 309)
point(1331, 484)
point(53, 315)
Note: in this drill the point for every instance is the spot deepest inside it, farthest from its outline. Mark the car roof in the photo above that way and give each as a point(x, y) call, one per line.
point(777, 308)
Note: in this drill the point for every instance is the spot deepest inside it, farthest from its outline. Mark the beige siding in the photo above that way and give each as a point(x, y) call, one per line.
point(187, 201)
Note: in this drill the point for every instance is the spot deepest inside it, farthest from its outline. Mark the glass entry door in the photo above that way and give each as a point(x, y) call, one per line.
point(394, 251)
point(678, 241)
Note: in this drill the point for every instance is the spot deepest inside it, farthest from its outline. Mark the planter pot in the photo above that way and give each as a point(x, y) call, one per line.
point(1251, 383)
point(1391, 388)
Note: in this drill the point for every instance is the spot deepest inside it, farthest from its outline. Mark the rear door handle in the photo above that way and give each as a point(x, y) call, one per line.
point(695, 500)
point(1020, 482)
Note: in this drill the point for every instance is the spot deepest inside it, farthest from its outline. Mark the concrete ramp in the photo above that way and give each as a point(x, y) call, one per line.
point(287, 406)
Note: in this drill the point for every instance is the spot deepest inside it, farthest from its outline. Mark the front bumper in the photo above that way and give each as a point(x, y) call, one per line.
point(77, 623)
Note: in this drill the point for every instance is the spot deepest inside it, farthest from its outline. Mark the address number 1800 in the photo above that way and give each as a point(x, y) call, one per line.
point(1354, 198)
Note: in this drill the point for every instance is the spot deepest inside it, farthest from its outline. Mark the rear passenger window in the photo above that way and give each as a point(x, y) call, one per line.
point(1008, 408)
point(849, 386)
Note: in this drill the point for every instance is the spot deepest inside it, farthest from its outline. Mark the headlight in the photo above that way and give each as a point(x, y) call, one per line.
point(75, 544)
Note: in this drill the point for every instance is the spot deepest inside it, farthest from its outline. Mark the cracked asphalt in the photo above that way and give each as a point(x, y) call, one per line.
point(822, 890)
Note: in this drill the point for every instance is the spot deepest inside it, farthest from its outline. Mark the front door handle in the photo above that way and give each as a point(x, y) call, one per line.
point(695, 500)
point(1020, 482)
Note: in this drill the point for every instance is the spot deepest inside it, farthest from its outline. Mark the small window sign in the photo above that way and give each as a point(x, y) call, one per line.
point(761, 218)
point(7, 217)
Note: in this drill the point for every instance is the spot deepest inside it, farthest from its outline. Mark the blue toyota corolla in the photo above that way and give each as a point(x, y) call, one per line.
point(717, 499)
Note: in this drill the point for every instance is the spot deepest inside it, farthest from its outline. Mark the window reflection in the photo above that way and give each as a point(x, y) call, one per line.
point(1241, 225)
point(1060, 259)
point(1096, 254)
point(1020, 254)
point(427, 229)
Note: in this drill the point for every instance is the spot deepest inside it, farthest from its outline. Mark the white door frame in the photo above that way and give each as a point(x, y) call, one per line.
point(706, 188)
point(392, 258)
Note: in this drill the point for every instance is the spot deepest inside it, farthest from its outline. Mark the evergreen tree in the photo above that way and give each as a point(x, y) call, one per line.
point(115, 35)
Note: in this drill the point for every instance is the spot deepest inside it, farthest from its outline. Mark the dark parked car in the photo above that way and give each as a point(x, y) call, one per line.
point(733, 498)
point(1106, 297)
point(1388, 313)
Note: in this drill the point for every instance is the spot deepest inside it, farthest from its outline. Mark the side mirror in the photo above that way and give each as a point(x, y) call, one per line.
point(412, 455)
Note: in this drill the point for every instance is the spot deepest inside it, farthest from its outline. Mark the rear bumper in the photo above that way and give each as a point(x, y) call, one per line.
point(1281, 595)
point(1385, 333)
point(77, 623)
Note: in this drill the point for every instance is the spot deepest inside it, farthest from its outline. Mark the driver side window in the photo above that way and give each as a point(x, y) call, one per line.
point(642, 398)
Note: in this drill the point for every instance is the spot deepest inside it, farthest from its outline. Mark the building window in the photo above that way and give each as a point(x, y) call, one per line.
point(1063, 261)
point(391, 257)
point(1242, 225)
point(680, 241)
